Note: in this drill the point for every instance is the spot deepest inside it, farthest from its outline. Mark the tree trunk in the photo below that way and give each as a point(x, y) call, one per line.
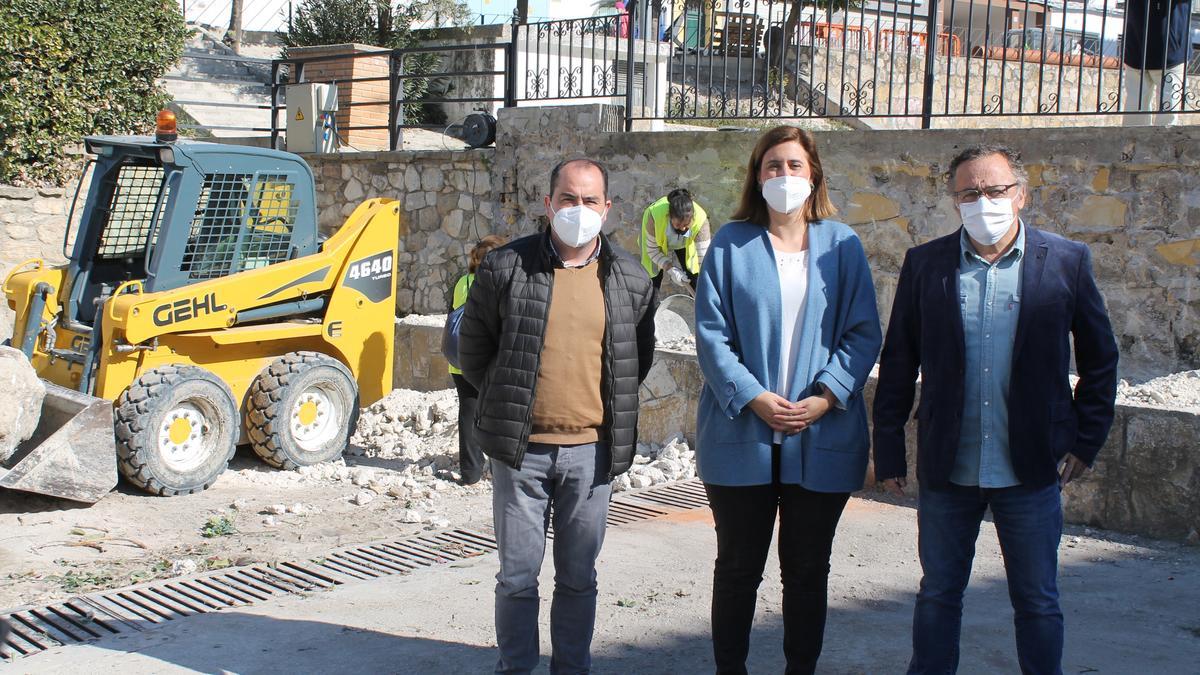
point(793, 16)
point(233, 36)
point(522, 11)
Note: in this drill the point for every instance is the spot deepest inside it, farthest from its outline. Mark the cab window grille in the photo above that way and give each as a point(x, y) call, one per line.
point(269, 224)
point(129, 216)
point(243, 221)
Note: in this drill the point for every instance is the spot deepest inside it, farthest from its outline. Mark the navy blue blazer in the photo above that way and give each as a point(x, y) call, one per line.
point(1058, 298)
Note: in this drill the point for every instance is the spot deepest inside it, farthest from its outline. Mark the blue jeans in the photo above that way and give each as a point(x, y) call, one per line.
point(1029, 524)
point(570, 484)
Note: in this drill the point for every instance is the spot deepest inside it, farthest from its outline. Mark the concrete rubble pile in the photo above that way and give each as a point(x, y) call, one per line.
point(655, 466)
point(678, 344)
point(405, 448)
point(21, 394)
point(1180, 391)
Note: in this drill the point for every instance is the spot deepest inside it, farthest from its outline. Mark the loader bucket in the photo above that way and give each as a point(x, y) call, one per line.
point(675, 322)
point(72, 453)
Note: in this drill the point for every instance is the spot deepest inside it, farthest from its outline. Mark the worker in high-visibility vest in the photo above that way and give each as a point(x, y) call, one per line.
point(674, 238)
point(471, 462)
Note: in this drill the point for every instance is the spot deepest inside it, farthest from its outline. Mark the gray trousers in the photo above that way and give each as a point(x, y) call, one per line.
point(570, 482)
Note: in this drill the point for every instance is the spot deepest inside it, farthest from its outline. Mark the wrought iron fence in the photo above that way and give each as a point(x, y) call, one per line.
point(743, 59)
point(785, 59)
point(570, 59)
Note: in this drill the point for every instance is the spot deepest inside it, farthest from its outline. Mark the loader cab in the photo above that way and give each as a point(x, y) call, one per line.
point(171, 214)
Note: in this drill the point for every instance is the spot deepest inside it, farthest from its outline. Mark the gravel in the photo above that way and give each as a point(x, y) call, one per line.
point(406, 450)
point(438, 320)
point(1178, 391)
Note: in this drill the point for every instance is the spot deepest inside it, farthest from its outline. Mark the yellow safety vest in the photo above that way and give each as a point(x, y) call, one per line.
point(460, 298)
point(659, 211)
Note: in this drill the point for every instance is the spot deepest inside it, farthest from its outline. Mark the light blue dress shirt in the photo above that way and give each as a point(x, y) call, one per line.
point(990, 300)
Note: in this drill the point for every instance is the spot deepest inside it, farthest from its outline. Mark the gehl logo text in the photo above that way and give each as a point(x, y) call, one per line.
point(188, 308)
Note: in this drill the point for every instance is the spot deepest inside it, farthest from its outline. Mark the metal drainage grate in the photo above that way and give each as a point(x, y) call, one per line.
point(621, 512)
point(404, 556)
point(143, 606)
point(137, 608)
point(688, 494)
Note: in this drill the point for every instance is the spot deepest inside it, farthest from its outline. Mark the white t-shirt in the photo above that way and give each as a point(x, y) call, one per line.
point(793, 291)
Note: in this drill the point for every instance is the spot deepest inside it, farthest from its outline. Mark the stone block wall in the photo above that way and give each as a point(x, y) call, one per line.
point(32, 224)
point(1134, 198)
point(447, 204)
point(419, 363)
point(1131, 194)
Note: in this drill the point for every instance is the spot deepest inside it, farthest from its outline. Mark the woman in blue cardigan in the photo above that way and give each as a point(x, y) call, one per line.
point(787, 332)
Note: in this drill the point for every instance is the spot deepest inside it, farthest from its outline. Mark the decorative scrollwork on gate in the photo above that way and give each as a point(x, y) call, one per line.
point(764, 102)
point(1110, 102)
point(1051, 103)
point(860, 99)
point(816, 99)
point(605, 80)
point(720, 103)
point(681, 100)
point(536, 83)
point(993, 105)
point(1190, 101)
point(570, 81)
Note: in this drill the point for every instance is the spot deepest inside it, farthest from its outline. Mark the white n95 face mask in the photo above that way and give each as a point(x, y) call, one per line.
point(987, 220)
point(785, 194)
point(576, 225)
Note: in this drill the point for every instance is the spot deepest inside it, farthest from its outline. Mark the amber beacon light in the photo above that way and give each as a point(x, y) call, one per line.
point(164, 130)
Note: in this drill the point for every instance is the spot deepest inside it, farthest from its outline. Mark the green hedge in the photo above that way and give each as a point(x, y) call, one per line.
point(70, 68)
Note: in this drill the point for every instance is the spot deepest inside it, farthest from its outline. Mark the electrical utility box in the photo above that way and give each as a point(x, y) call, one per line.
point(312, 117)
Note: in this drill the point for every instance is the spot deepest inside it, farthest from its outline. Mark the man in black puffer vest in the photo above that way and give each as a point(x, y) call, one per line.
point(557, 335)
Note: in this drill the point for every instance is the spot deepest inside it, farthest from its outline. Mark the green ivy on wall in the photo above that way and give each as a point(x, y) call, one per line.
point(70, 68)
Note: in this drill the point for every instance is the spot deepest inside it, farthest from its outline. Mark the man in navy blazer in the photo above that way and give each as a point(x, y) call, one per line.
point(985, 315)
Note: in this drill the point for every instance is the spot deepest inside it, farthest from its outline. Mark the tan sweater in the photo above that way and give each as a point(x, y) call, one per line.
point(568, 408)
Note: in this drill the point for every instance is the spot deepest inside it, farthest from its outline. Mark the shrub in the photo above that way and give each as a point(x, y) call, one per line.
point(70, 68)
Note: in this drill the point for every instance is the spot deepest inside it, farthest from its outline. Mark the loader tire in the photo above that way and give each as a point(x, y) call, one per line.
point(176, 429)
point(301, 410)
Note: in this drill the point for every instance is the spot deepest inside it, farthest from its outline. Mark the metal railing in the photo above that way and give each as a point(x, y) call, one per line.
point(195, 119)
point(782, 59)
point(744, 59)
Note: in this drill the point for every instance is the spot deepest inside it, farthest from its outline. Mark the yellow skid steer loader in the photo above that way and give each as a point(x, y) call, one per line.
point(200, 310)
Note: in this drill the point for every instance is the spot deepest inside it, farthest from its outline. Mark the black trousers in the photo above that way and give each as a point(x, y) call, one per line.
point(745, 522)
point(681, 254)
point(470, 456)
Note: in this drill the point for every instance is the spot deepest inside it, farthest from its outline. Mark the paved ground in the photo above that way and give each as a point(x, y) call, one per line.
point(1131, 607)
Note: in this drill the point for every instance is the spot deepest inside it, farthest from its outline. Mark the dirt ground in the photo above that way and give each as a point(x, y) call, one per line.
point(398, 476)
point(51, 549)
point(1129, 607)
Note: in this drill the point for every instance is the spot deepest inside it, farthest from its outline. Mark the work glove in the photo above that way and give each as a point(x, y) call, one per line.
point(678, 276)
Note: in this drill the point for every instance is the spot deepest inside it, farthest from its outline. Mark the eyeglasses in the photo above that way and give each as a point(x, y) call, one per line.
point(971, 195)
